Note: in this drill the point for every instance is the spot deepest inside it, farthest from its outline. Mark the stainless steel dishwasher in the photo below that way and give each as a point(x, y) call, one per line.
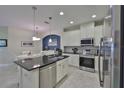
point(48, 76)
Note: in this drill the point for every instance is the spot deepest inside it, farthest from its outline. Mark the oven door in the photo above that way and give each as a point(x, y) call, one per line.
point(87, 63)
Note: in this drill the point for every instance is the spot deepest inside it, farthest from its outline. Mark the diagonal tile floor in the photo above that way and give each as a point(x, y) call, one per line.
point(80, 79)
point(8, 76)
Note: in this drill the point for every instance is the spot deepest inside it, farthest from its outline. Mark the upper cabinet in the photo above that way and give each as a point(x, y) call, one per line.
point(107, 28)
point(87, 30)
point(98, 34)
point(96, 30)
point(71, 38)
point(101, 29)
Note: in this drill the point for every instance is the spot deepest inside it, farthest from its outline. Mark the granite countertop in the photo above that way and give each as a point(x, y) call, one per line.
point(38, 62)
point(71, 53)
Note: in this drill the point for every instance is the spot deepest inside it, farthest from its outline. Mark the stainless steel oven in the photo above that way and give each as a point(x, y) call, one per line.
point(87, 63)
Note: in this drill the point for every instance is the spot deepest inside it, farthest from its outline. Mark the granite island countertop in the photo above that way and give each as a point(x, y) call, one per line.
point(72, 53)
point(38, 62)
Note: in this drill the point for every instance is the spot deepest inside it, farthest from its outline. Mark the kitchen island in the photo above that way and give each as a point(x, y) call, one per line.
point(42, 72)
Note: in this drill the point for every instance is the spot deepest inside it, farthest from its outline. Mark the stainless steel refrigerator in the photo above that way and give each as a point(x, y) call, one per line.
point(105, 65)
point(109, 52)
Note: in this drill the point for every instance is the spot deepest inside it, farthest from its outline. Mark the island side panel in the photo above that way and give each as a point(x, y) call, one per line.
point(28, 79)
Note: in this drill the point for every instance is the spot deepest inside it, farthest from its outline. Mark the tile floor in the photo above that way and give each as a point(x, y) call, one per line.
point(8, 76)
point(76, 78)
point(80, 79)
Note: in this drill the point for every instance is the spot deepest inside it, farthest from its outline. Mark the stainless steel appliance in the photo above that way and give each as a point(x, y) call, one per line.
point(87, 41)
point(87, 63)
point(105, 65)
point(48, 76)
point(109, 67)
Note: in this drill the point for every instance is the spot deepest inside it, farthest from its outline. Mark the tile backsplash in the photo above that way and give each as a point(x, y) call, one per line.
point(93, 49)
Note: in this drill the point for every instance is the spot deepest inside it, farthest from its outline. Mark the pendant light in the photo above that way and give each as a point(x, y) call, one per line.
point(50, 39)
point(34, 38)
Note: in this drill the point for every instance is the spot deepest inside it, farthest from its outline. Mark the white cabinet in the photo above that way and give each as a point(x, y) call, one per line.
point(59, 71)
point(87, 30)
point(107, 28)
point(98, 34)
point(48, 76)
point(45, 77)
point(71, 38)
point(28, 79)
point(65, 67)
point(62, 69)
point(74, 60)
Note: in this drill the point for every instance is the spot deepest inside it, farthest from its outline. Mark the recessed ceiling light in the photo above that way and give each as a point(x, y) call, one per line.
point(61, 13)
point(71, 22)
point(107, 17)
point(94, 16)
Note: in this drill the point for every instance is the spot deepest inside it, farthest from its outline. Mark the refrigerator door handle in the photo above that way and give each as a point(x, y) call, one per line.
point(99, 64)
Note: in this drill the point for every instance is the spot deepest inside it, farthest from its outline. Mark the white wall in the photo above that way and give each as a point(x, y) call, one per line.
point(4, 50)
point(15, 36)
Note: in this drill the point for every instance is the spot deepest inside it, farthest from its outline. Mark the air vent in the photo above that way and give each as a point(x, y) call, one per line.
point(98, 23)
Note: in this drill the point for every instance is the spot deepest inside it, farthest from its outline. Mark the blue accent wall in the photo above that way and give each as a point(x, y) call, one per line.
point(56, 41)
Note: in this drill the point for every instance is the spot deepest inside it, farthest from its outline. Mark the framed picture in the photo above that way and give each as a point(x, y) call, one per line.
point(27, 44)
point(3, 42)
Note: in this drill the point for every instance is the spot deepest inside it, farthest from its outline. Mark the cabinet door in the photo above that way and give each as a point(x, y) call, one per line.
point(87, 30)
point(83, 31)
point(70, 62)
point(65, 67)
point(71, 38)
point(62, 69)
point(98, 34)
point(26, 79)
point(107, 29)
point(75, 60)
point(30, 79)
point(59, 71)
point(90, 30)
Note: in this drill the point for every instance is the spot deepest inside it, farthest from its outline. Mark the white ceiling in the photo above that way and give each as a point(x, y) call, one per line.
point(22, 16)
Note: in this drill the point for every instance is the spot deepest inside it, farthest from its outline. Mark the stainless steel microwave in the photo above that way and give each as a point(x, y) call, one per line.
point(87, 41)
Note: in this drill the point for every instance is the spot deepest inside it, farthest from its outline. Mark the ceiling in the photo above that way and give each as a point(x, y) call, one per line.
point(22, 15)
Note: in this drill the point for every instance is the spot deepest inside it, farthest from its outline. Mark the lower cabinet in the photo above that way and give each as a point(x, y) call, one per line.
point(28, 79)
point(62, 69)
point(46, 77)
point(74, 60)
